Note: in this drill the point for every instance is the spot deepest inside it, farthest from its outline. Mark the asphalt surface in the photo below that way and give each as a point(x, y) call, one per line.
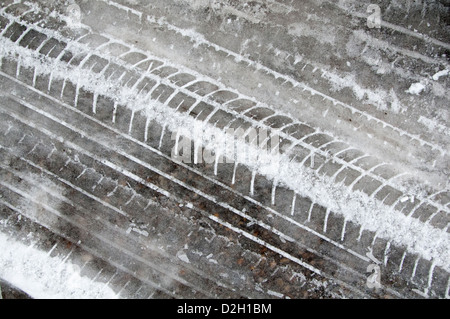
point(116, 176)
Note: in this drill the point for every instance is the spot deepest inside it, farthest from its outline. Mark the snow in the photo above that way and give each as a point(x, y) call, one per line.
point(379, 98)
point(275, 294)
point(440, 74)
point(137, 230)
point(183, 257)
point(416, 88)
point(433, 125)
point(44, 277)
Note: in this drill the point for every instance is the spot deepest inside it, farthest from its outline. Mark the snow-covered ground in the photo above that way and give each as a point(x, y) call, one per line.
point(98, 96)
point(46, 277)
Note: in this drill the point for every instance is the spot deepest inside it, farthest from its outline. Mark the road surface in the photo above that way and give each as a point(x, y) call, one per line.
point(117, 181)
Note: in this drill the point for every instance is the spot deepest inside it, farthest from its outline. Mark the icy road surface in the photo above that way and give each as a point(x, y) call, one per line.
point(117, 179)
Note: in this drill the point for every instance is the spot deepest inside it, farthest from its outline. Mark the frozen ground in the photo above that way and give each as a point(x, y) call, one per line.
point(352, 202)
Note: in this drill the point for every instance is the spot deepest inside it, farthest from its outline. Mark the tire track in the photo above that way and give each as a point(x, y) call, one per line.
point(199, 40)
point(303, 145)
point(59, 112)
point(249, 219)
point(172, 195)
point(266, 212)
